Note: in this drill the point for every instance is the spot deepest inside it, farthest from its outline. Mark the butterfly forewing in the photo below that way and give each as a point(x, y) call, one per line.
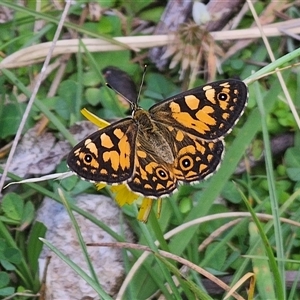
point(208, 112)
point(106, 155)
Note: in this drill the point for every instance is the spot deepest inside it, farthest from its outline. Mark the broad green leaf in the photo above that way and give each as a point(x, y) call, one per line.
point(13, 206)
point(4, 279)
point(13, 255)
point(35, 246)
point(293, 173)
point(93, 96)
point(10, 119)
point(28, 214)
point(7, 291)
point(292, 157)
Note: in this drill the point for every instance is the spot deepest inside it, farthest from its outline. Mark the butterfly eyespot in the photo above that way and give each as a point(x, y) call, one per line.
point(223, 96)
point(161, 174)
point(186, 163)
point(88, 158)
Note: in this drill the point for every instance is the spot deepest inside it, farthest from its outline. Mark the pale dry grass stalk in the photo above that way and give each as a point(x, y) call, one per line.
point(37, 53)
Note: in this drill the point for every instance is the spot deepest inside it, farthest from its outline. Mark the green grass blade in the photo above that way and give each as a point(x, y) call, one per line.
point(154, 225)
point(80, 238)
point(273, 65)
point(78, 270)
point(22, 268)
point(165, 272)
point(268, 249)
point(112, 102)
point(261, 268)
point(35, 245)
point(186, 284)
point(280, 282)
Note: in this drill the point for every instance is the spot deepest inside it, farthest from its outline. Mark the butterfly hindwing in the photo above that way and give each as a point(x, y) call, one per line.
point(152, 179)
point(196, 159)
point(106, 155)
point(208, 112)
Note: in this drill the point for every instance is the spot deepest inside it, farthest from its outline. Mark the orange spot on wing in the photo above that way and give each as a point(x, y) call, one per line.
point(118, 133)
point(141, 154)
point(199, 147)
point(106, 141)
point(204, 116)
point(124, 148)
point(187, 149)
point(210, 95)
point(93, 149)
point(179, 136)
point(192, 102)
point(186, 120)
point(224, 104)
point(201, 124)
point(114, 158)
point(160, 186)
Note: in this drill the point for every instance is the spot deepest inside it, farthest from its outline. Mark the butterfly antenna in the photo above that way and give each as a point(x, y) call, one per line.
point(120, 94)
point(141, 85)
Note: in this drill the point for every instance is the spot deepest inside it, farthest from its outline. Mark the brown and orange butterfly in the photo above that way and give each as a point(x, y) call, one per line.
point(179, 140)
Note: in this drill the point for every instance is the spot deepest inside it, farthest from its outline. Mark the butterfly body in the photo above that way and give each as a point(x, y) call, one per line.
point(153, 137)
point(179, 140)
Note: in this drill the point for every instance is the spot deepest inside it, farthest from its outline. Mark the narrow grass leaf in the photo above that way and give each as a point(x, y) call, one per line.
point(55, 20)
point(110, 102)
point(187, 285)
point(78, 270)
point(261, 268)
point(273, 198)
point(164, 271)
point(269, 252)
point(34, 245)
point(80, 238)
point(22, 267)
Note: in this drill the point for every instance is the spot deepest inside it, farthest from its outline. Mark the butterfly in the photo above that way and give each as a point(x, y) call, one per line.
point(179, 140)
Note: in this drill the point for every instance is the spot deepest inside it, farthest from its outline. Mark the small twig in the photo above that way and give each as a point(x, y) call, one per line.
point(215, 234)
